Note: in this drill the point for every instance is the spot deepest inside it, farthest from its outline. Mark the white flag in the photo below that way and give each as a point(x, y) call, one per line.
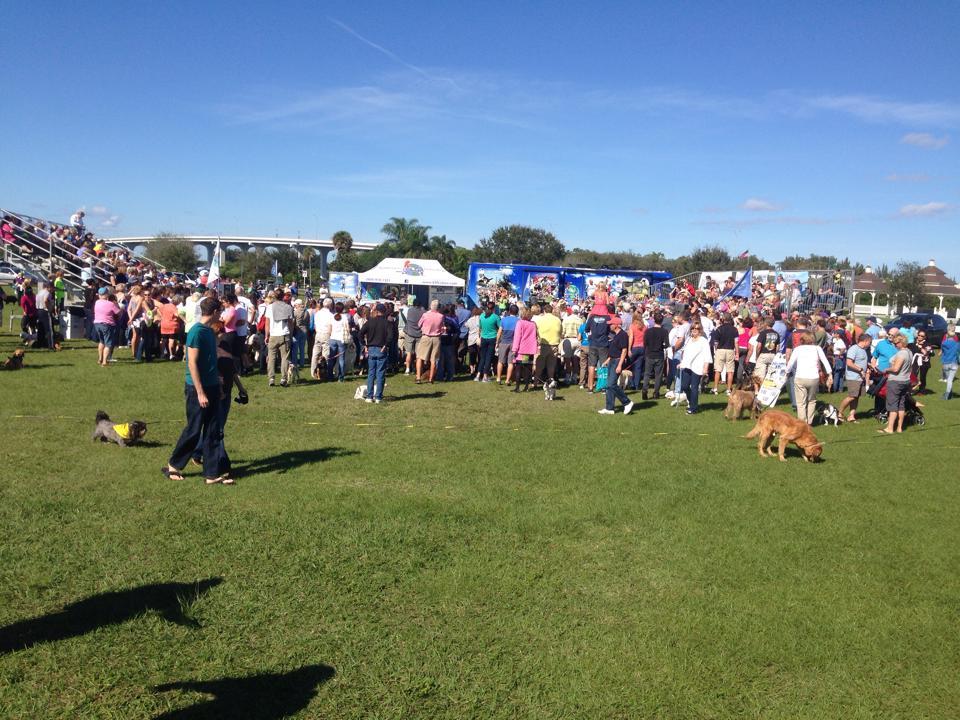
point(214, 276)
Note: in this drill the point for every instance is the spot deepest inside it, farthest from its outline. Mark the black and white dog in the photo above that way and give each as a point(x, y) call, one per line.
point(550, 390)
point(829, 414)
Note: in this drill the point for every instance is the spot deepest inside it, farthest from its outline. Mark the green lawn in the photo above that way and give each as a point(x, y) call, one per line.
point(464, 552)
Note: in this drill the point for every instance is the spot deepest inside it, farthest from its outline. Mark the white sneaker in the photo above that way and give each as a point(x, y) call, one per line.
point(606, 412)
point(628, 407)
point(369, 400)
point(476, 379)
point(407, 371)
point(378, 401)
point(728, 392)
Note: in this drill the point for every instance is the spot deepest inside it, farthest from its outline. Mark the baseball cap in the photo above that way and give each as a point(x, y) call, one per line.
point(103, 291)
point(615, 320)
point(380, 307)
point(872, 318)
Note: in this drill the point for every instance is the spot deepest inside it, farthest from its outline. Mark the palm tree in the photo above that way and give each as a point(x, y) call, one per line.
point(408, 237)
point(342, 240)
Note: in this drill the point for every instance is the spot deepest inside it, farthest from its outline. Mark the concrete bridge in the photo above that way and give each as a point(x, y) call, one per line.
point(321, 248)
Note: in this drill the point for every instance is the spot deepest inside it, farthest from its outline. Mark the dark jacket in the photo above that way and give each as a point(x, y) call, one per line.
point(378, 332)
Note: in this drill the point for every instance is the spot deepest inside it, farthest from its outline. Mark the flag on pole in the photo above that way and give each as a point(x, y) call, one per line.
point(744, 255)
point(213, 277)
point(275, 269)
point(744, 287)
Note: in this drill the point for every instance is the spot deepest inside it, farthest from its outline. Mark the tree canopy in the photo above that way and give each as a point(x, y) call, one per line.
point(520, 244)
point(173, 252)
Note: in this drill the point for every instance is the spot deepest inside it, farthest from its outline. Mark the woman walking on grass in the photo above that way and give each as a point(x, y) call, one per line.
point(694, 365)
point(808, 359)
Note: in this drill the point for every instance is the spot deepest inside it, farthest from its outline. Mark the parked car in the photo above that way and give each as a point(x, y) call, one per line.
point(9, 272)
point(934, 325)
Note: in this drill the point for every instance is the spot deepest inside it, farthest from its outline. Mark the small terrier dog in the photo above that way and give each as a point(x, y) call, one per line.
point(15, 361)
point(829, 414)
point(679, 399)
point(550, 390)
point(361, 393)
point(122, 434)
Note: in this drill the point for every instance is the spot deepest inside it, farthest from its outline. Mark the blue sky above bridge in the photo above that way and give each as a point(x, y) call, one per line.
point(776, 127)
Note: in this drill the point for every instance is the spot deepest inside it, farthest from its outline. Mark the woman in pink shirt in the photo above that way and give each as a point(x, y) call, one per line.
point(525, 346)
point(105, 313)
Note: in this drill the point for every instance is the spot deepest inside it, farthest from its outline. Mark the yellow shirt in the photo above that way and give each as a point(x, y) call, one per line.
point(549, 327)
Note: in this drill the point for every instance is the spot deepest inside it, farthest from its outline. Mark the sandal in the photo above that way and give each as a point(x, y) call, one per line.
point(212, 481)
point(227, 480)
point(172, 474)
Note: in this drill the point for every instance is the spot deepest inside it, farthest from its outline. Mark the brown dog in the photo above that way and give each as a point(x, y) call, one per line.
point(739, 401)
point(788, 430)
point(15, 361)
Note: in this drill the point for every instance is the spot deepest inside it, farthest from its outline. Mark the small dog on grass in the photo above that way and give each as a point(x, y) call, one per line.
point(829, 414)
point(15, 361)
point(679, 399)
point(361, 393)
point(624, 380)
point(550, 390)
point(122, 434)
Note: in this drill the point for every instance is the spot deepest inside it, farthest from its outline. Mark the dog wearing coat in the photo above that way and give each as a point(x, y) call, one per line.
point(122, 434)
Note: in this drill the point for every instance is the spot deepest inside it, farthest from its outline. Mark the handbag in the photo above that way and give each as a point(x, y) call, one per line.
point(603, 373)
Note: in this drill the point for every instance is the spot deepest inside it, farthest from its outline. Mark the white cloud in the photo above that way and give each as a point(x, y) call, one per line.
point(760, 205)
point(781, 220)
point(925, 210)
point(908, 177)
point(925, 140)
point(99, 210)
point(875, 109)
point(110, 221)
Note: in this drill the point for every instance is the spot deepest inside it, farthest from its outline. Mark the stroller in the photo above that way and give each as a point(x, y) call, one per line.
point(913, 415)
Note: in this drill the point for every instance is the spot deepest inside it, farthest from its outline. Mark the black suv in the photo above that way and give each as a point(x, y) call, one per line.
point(932, 324)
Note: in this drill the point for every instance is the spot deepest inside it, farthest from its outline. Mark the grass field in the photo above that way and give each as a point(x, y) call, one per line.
point(463, 552)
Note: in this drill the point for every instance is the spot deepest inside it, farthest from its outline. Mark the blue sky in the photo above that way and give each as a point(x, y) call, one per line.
point(776, 127)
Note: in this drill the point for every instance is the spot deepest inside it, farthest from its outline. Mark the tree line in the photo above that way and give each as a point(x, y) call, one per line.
point(520, 244)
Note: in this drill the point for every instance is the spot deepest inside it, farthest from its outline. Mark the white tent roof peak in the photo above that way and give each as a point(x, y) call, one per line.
point(411, 271)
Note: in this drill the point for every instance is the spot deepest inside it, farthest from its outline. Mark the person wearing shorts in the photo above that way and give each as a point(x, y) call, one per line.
point(858, 359)
point(105, 314)
point(430, 325)
point(768, 343)
point(505, 354)
point(725, 356)
point(898, 385)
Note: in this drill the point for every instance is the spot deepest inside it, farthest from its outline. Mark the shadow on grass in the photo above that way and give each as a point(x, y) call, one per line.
point(270, 696)
point(282, 462)
point(417, 396)
point(45, 366)
point(169, 600)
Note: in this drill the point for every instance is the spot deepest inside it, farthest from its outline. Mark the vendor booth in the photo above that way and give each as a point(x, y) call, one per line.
point(490, 282)
point(396, 278)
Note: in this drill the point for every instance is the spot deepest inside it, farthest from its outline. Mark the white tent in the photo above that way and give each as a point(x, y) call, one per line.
point(402, 271)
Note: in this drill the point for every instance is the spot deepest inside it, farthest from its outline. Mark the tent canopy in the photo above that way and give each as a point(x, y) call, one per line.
point(403, 271)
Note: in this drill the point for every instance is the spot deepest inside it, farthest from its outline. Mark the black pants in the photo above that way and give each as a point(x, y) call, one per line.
point(448, 362)
point(653, 368)
point(203, 429)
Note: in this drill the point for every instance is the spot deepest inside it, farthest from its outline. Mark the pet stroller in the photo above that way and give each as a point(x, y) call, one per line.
point(913, 416)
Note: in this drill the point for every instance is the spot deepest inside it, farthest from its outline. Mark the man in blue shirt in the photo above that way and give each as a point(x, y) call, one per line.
point(885, 350)
point(858, 358)
point(949, 352)
point(872, 329)
point(202, 391)
point(508, 323)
